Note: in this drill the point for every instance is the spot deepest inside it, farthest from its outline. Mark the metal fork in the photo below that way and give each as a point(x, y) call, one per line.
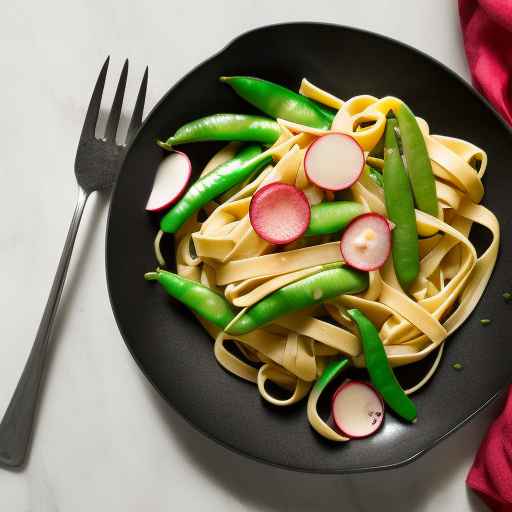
point(97, 164)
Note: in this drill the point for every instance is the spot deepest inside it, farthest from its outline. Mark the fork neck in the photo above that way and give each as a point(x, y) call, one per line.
point(82, 197)
point(81, 200)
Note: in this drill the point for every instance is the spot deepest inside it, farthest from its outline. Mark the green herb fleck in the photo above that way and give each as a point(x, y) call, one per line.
point(507, 296)
point(485, 321)
point(457, 366)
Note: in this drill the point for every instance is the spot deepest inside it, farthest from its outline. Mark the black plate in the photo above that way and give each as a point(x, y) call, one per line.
point(171, 347)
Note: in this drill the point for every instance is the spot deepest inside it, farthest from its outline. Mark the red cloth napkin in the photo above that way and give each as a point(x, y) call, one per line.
point(487, 31)
point(491, 473)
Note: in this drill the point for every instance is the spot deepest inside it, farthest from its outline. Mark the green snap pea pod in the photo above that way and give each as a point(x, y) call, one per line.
point(246, 162)
point(205, 302)
point(239, 186)
point(230, 127)
point(331, 217)
point(375, 176)
point(324, 285)
point(328, 112)
point(279, 102)
point(417, 160)
point(332, 370)
point(381, 374)
point(400, 209)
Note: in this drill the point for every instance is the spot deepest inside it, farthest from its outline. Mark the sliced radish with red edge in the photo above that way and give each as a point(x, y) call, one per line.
point(170, 181)
point(334, 161)
point(357, 409)
point(279, 213)
point(366, 242)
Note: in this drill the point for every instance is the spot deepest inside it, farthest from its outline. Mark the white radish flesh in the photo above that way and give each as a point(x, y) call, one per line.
point(170, 181)
point(366, 242)
point(357, 409)
point(279, 213)
point(334, 161)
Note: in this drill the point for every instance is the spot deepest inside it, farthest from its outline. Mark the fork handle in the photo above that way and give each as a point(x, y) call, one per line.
point(17, 423)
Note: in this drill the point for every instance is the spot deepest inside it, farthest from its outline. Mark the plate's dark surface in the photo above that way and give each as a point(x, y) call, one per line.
point(171, 347)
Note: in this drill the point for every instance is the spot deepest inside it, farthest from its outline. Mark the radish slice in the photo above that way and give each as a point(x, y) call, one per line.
point(366, 242)
point(170, 181)
point(279, 213)
point(357, 409)
point(334, 161)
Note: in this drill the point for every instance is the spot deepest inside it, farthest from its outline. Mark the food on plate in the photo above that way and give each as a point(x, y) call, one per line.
point(170, 181)
point(247, 161)
point(279, 102)
point(366, 243)
point(375, 176)
point(357, 409)
point(334, 161)
point(279, 213)
point(332, 370)
point(330, 217)
point(400, 209)
point(326, 236)
point(419, 167)
point(237, 127)
point(381, 374)
point(332, 281)
point(207, 303)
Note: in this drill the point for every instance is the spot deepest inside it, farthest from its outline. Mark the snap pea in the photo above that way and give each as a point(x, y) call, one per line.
point(246, 162)
point(381, 374)
point(331, 217)
point(400, 209)
point(375, 175)
point(205, 302)
point(332, 370)
point(328, 112)
point(325, 285)
point(231, 127)
point(279, 102)
point(239, 186)
point(417, 160)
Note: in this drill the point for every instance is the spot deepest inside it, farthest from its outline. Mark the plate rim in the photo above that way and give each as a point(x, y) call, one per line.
point(240, 451)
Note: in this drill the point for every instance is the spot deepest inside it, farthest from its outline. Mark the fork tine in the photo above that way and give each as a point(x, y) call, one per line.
point(115, 111)
point(138, 110)
point(94, 105)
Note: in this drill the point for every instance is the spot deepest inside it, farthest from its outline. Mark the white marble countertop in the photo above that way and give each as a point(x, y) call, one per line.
point(104, 440)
